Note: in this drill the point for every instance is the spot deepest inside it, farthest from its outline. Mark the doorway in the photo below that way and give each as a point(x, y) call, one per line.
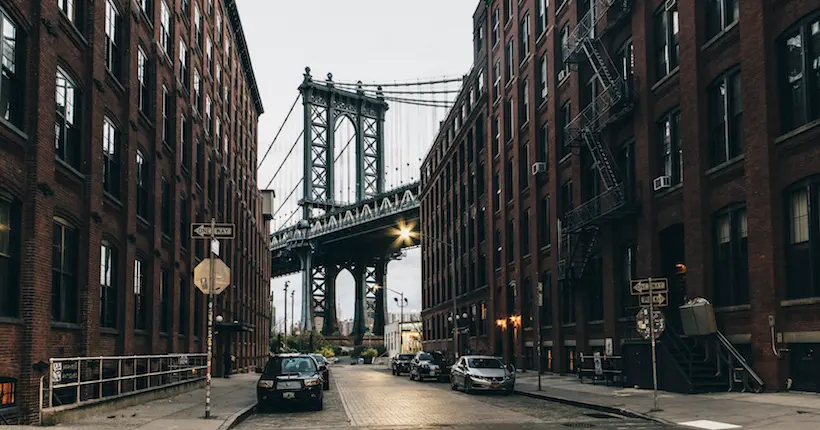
point(673, 252)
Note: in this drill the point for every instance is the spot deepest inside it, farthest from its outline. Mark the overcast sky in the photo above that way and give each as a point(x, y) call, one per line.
point(368, 40)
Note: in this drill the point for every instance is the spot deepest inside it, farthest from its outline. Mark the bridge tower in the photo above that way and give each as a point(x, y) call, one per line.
point(324, 104)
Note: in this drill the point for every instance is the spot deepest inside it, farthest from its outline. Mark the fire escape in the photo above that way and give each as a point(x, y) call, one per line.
point(580, 226)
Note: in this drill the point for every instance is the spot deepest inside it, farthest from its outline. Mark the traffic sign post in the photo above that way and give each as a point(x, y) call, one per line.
point(659, 299)
point(538, 324)
point(654, 351)
point(212, 285)
point(652, 293)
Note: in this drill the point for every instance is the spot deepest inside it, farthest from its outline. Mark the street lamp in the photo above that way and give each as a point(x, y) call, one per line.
point(406, 234)
point(402, 304)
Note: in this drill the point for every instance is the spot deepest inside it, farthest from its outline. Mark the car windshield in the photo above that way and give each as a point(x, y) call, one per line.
point(434, 357)
point(319, 358)
point(405, 357)
point(485, 363)
point(289, 365)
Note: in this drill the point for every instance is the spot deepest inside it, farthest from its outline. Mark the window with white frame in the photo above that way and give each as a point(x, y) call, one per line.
point(525, 36)
point(112, 49)
point(143, 101)
point(111, 159)
point(165, 39)
point(67, 140)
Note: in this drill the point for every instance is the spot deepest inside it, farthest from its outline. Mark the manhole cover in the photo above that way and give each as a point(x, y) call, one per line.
point(578, 425)
point(601, 415)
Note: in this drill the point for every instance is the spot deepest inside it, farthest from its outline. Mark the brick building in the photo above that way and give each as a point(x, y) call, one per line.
point(641, 135)
point(155, 127)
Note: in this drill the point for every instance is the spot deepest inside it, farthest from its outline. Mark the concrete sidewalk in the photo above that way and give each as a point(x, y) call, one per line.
point(232, 400)
point(794, 411)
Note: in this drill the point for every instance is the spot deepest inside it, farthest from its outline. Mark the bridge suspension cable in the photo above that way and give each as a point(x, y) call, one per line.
point(397, 84)
point(278, 132)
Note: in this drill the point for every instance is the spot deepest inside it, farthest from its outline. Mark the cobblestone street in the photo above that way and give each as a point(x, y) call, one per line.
point(367, 397)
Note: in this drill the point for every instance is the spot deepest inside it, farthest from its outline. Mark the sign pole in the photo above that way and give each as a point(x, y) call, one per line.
point(538, 326)
point(654, 355)
point(210, 322)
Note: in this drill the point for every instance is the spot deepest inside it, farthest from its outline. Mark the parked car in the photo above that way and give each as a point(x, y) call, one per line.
point(290, 379)
point(400, 363)
point(427, 365)
point(482, 373)
point(323, 368)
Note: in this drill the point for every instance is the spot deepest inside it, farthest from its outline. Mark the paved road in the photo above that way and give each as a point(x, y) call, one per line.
point(363, 397)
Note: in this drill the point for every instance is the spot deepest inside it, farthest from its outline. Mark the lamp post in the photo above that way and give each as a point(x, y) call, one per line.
point(456, 327)
point(285, 324)
point(402, 303)
point(406, 234)
point(292, 312)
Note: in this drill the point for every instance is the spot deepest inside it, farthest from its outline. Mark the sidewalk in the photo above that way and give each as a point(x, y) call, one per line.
point(794, 411)
point(232, 400)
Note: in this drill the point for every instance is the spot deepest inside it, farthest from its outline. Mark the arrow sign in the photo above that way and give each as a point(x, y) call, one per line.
point(202, 230)
point(640, 287)
point(660, 299)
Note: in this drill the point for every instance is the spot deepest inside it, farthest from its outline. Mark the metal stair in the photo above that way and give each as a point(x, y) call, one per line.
point(576, 248)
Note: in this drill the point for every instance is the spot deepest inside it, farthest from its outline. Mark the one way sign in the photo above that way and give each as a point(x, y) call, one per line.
point(202, 230)
point(641, 286)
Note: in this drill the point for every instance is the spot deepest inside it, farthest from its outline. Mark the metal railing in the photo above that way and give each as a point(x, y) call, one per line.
point(76, 381)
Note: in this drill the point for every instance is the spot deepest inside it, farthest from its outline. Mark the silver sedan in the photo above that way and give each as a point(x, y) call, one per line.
point(482, 373)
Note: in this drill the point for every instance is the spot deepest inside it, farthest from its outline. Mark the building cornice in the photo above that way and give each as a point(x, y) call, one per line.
point(244, 55)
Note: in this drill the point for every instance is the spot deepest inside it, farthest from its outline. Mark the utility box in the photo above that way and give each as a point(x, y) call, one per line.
point(267, 204)
point(698, 318)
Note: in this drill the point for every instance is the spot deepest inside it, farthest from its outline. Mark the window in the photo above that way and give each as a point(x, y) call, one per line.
point(544, 233)
point(497, 251)
point(525, 36)
point(147, 7)
point(542, 80)
point(508, 10)
point(478, 38)
point(803, 247)
point(64, 267)
point(567, 307)
point(184, 79)
point(112, 38)
point(143, 182)
point(71, 11)
point(227, 59)
point(167, 116)
point(183, 221)
point(9, 257)
point(800, 73)
point(184, 298)
point(525, 102)
point(197, 24)
point(720, 14)
point(725, 118)
point(11, 77)
point(731, 257)
point(525, 233)
point(508, 181)
point(509, 60)
point(595, 289)
point(208, 123)
point(560, 52)
point(511, 242)
point(218, 133)
point(185, 6)
point(524, 167)
point(108, 285)
point(526, 303)
point(209, 55)
point(111, 159)
point(165, 39)
point(496, 26)
point(671, 149)
point(184, 143)
point(218, 26)
point(497, 80)
point(546, 305)
point(566, 199)
point(8, 390)
point(626, 65)
point(666, 39)
point(197, 94)
point(139, 295)
point(542, 6)
point(497, 197)
point(167, 210)
point(543, 144)
point(496, 136)
point(165, 288)
point(144, 100)
point(508, 120)
point(200, 163)
point(564, 119)
point(628, 271)
point(67, 145)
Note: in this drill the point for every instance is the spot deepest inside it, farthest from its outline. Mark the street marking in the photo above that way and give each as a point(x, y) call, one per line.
point(709, 425)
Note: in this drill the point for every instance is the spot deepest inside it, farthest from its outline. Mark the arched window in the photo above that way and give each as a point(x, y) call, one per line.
point(800, 73)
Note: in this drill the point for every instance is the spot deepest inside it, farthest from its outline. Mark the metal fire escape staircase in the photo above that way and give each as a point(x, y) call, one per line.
point(580, 226)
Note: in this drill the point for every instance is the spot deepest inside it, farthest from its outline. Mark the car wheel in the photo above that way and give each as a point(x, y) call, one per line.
point(263, 408)
point(468, 383)
point(411, 376)
point(326, 384)
point(319, 405)
point(394, 372)
point(453, 384)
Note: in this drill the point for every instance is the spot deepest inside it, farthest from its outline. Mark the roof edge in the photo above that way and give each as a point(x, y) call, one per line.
point(244, 55)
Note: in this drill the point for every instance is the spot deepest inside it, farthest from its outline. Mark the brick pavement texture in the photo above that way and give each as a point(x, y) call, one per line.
point(181, 412)
point(795, 411)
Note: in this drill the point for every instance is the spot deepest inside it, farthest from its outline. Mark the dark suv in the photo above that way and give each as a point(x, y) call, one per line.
point(400, 363)
point(430, 365)
point(290, 379)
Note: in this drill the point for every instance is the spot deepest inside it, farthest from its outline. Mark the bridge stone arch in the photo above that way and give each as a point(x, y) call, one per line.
point(326, 103)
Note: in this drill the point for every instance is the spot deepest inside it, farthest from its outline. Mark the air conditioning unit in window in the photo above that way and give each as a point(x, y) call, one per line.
point(661, 182)
point(539, 167)
point(561, 75)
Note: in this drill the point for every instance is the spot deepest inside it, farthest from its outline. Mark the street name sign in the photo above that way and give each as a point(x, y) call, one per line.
point(640, 287)
point(203, 230)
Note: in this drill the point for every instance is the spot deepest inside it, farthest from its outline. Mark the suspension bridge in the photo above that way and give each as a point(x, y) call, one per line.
point(343, 200)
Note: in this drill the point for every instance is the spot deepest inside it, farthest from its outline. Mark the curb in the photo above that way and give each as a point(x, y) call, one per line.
point(609, 409)
point(238, 417)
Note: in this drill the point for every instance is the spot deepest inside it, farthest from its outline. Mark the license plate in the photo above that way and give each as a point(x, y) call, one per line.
point(288, 384)
point(288, 395)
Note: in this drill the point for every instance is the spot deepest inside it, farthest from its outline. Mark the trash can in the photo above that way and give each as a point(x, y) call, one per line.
point(698, 318)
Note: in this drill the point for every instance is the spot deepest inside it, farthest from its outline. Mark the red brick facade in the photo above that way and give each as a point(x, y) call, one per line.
point(678, 224)
point(44, 189)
